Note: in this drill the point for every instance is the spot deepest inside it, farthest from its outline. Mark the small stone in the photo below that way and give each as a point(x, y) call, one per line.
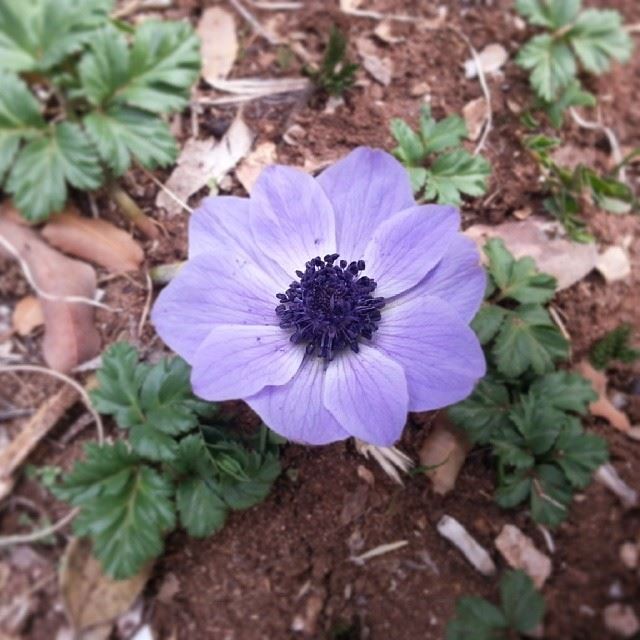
point(615, 590)
point(419, 89)
point(621, 620)
point(614, 264)
point(520, 552)
point(629, 555)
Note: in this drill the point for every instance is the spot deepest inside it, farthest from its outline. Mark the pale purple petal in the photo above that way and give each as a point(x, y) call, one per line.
point(223, 223)
point(365, 188)
point(367, 394)
point(295, 409)
point(408, 245)
point(213, 289)
point(459, 279)
point(236, 361)
point(292, 218)
point(440, 354)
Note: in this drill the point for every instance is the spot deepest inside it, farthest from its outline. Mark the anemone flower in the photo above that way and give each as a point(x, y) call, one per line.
point(331, 305)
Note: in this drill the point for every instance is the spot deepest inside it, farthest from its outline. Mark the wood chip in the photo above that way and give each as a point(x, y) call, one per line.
point(520, 552)
point(380, 69)
point(608, 476)
point(542, 239)
point(70, 335)
point(475, 115)
point(384, 31)
point(614, 264)
point(94, 240)
point(445, 448)
point(603, 407)
point(37, 427)
point(252, 165)
point(203, 161)
point(27, 315)
point(219, 43)
point(472, 550)
point(379, 551)
point(90, 598)
point(491, 58)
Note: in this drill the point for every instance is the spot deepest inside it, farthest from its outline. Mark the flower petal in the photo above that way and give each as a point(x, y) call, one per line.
point(292, 218)
point(406, 247)
point(213, 289)
point(295, 409)
point(365, 188)
point(440, 354)
point(223, 223)
point(367, 394)
point(236, 361)
point(459, 279)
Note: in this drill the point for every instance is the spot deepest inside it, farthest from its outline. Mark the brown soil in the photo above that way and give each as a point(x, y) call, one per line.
point(285, 565)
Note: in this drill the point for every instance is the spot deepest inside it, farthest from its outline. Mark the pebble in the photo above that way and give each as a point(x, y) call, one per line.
point(621, 620)
point(520, 552)
point(629, 555)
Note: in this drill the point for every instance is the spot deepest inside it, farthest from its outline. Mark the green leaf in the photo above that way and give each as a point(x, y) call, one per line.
point(528, 339)
point(37, 35)
point(538, 423)
point(541, 144)
point(20, 118)
point(550, 495)
point(410, 150)
point(149, 442)
point(608, 193)
point(564, 391)
point(418, 177)
point(165, 396)
point(518, 279)
point(614, 345)
point(513, 490)
point(126, 507)
point(598, 36)
point(105, 67)
point(553, 14)
point(484, 412)
point(551, 63)
point(444, 134)
point(164, 63)
point(122, 134)
point(455, 173)
point(476, 619)
point(120, 378)
point(487, 322)
point(522, 604)
point(202, 511)
point(573, 96)
point(512, 454)
point(579, 454)
point(43, 168)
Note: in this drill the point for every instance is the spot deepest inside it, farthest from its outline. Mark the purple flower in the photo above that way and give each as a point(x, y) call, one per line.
point(332, 305)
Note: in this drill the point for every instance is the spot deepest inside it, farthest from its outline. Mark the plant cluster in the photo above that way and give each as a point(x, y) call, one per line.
point(179, 464)
point(525, 409)
point(574, 38)
point(520, 611)
point(83, 97)
point(614, 345)
point(440, 168)
point(336, 74)
point(569, 189)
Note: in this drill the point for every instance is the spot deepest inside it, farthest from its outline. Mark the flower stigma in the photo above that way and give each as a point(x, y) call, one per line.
point(330, 307)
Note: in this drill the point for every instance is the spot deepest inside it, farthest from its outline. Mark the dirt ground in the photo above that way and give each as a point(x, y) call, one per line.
point(282, 570)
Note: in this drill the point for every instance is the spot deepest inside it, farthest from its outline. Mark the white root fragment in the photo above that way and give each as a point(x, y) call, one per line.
point(379, 551)
point(472, 550)
point(391, 460)
point(608, 476)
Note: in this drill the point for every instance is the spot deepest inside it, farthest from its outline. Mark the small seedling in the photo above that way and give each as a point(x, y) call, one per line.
point(84, 96)
point(569, 189)
point(615, 345)
point(336, 74)
point(440, 168)
point(525, 409)
point(520, 611)
point(180, 464)
point(574, 38)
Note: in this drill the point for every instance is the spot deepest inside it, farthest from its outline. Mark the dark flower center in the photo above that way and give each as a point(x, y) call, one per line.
point(330, 307)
